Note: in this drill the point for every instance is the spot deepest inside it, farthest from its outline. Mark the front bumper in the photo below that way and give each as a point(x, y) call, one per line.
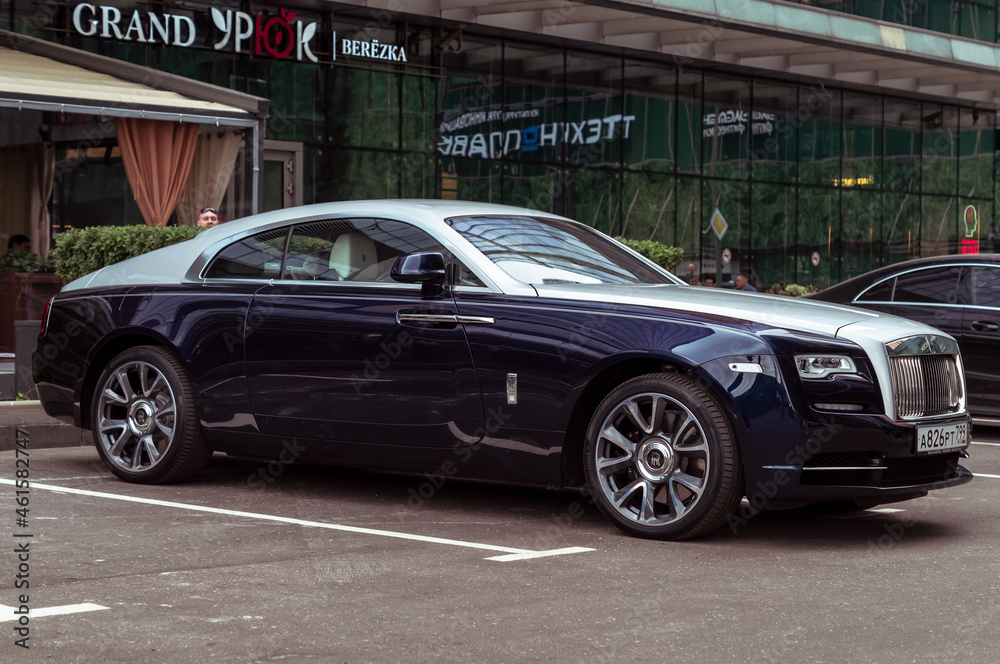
point(868, 459)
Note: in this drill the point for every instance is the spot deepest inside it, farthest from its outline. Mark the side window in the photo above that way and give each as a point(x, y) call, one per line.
point(938, 285)
point(986, 286)
point(881, 292)
point(255, 257)
point(362, 250)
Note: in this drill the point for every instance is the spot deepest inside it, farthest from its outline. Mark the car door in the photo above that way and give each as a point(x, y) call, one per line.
point(980, 341)
point(337, 350)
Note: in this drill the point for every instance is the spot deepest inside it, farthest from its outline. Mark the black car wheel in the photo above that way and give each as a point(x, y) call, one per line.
point(144, 419)
point(661, 461)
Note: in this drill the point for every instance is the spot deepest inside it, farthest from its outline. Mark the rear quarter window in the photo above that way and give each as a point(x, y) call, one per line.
point(255, 257)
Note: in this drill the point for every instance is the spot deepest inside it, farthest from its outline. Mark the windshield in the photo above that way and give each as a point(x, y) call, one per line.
point(554, 251)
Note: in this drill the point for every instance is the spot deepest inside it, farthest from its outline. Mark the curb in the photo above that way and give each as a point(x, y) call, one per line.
point(43, 431)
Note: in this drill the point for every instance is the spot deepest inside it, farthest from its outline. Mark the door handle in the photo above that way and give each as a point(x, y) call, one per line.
point(985, 326)
point(412, 317)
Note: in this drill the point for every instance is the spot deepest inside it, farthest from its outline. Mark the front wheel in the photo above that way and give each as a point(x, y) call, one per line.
point(661, 461)
point(144, 419)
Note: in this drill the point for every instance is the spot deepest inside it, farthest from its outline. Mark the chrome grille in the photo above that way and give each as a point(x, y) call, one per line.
point(925, 385)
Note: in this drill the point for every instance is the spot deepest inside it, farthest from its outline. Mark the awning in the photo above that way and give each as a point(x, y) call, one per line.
point(40, 75)
point(783, 38)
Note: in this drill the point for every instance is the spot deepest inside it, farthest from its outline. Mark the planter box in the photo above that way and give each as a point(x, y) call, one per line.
point(43, 431)
point(22, 297)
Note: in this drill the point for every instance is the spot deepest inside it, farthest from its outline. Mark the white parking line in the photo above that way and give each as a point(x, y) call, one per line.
point(512, 553)
point(990, 444)
point(7, 612)
point(996, 477)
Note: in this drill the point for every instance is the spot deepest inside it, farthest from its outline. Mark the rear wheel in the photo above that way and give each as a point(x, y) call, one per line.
point(144, 419)
point(661, 461)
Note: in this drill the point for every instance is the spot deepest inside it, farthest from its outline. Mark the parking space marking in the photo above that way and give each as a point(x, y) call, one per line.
point(516, 554)
point(7, 612)
point(996, 477)
point(538, 554)
point(990, 444)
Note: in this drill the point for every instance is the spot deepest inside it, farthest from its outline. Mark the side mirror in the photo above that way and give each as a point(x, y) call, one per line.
point(425, 268)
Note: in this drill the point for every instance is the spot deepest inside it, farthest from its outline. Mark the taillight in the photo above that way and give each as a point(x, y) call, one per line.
point(45, 317)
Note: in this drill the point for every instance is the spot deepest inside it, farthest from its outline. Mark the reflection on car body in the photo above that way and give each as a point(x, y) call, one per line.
point(516, 345)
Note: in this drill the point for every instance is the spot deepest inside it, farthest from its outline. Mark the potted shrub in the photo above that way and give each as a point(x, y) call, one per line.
point(25, 287)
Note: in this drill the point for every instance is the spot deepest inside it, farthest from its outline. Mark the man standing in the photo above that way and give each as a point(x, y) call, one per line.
point(208, 217)
point(19, 243)
point(743, 283)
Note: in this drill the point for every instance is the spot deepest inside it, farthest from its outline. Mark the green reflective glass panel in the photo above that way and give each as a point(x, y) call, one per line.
point(976, 141)
point(347, 175)
point(470, 179)
point(818, 229)
point(360, 107)
point(649, 200)
point(689, 114)
point(860, 231)
point(900, 227)
point(773, 233)
point(531, 122)
point(594, 126)
point(903, 121)
point(726, 123)
point(419, 113)
point(687, 233)
point(534, 186)
point(819, 136)
point(418, 176)
point(733, 201)
point(596, 195)
point(939, 225)
point(863, 142)
point(939, 150)
point(650, 98)
point(774, 132)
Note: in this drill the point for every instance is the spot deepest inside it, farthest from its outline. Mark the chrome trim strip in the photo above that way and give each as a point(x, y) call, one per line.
point(805, 468)
point(426, 318)
point(476, 320)
point(897, 303)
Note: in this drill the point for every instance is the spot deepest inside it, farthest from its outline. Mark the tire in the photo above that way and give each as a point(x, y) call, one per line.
point(660, 459)
point(144, 418)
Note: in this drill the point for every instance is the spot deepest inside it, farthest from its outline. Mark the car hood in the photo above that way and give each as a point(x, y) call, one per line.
point(867, 328)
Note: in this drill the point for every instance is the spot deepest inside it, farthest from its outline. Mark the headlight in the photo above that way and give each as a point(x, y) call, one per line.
point(821, 366)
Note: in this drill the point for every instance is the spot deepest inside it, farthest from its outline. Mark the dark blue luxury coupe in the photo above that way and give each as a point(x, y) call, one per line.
point(516, 345)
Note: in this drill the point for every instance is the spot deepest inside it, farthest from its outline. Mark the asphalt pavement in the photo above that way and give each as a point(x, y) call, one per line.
point(261, 561)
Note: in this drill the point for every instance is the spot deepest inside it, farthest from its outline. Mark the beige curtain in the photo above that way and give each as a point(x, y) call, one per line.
point(211, 170)
point(26, 173)
point(157, 157)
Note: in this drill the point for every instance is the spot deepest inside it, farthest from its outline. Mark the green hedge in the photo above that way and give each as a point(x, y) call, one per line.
point(20, 260)
point(663, 255)
point(793, 290)
point(80, 251)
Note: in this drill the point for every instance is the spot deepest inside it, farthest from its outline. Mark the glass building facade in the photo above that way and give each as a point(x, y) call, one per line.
point(795, 181)
point(975, 19)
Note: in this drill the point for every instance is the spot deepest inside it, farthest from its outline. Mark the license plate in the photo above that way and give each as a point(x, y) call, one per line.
point(945, 438)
